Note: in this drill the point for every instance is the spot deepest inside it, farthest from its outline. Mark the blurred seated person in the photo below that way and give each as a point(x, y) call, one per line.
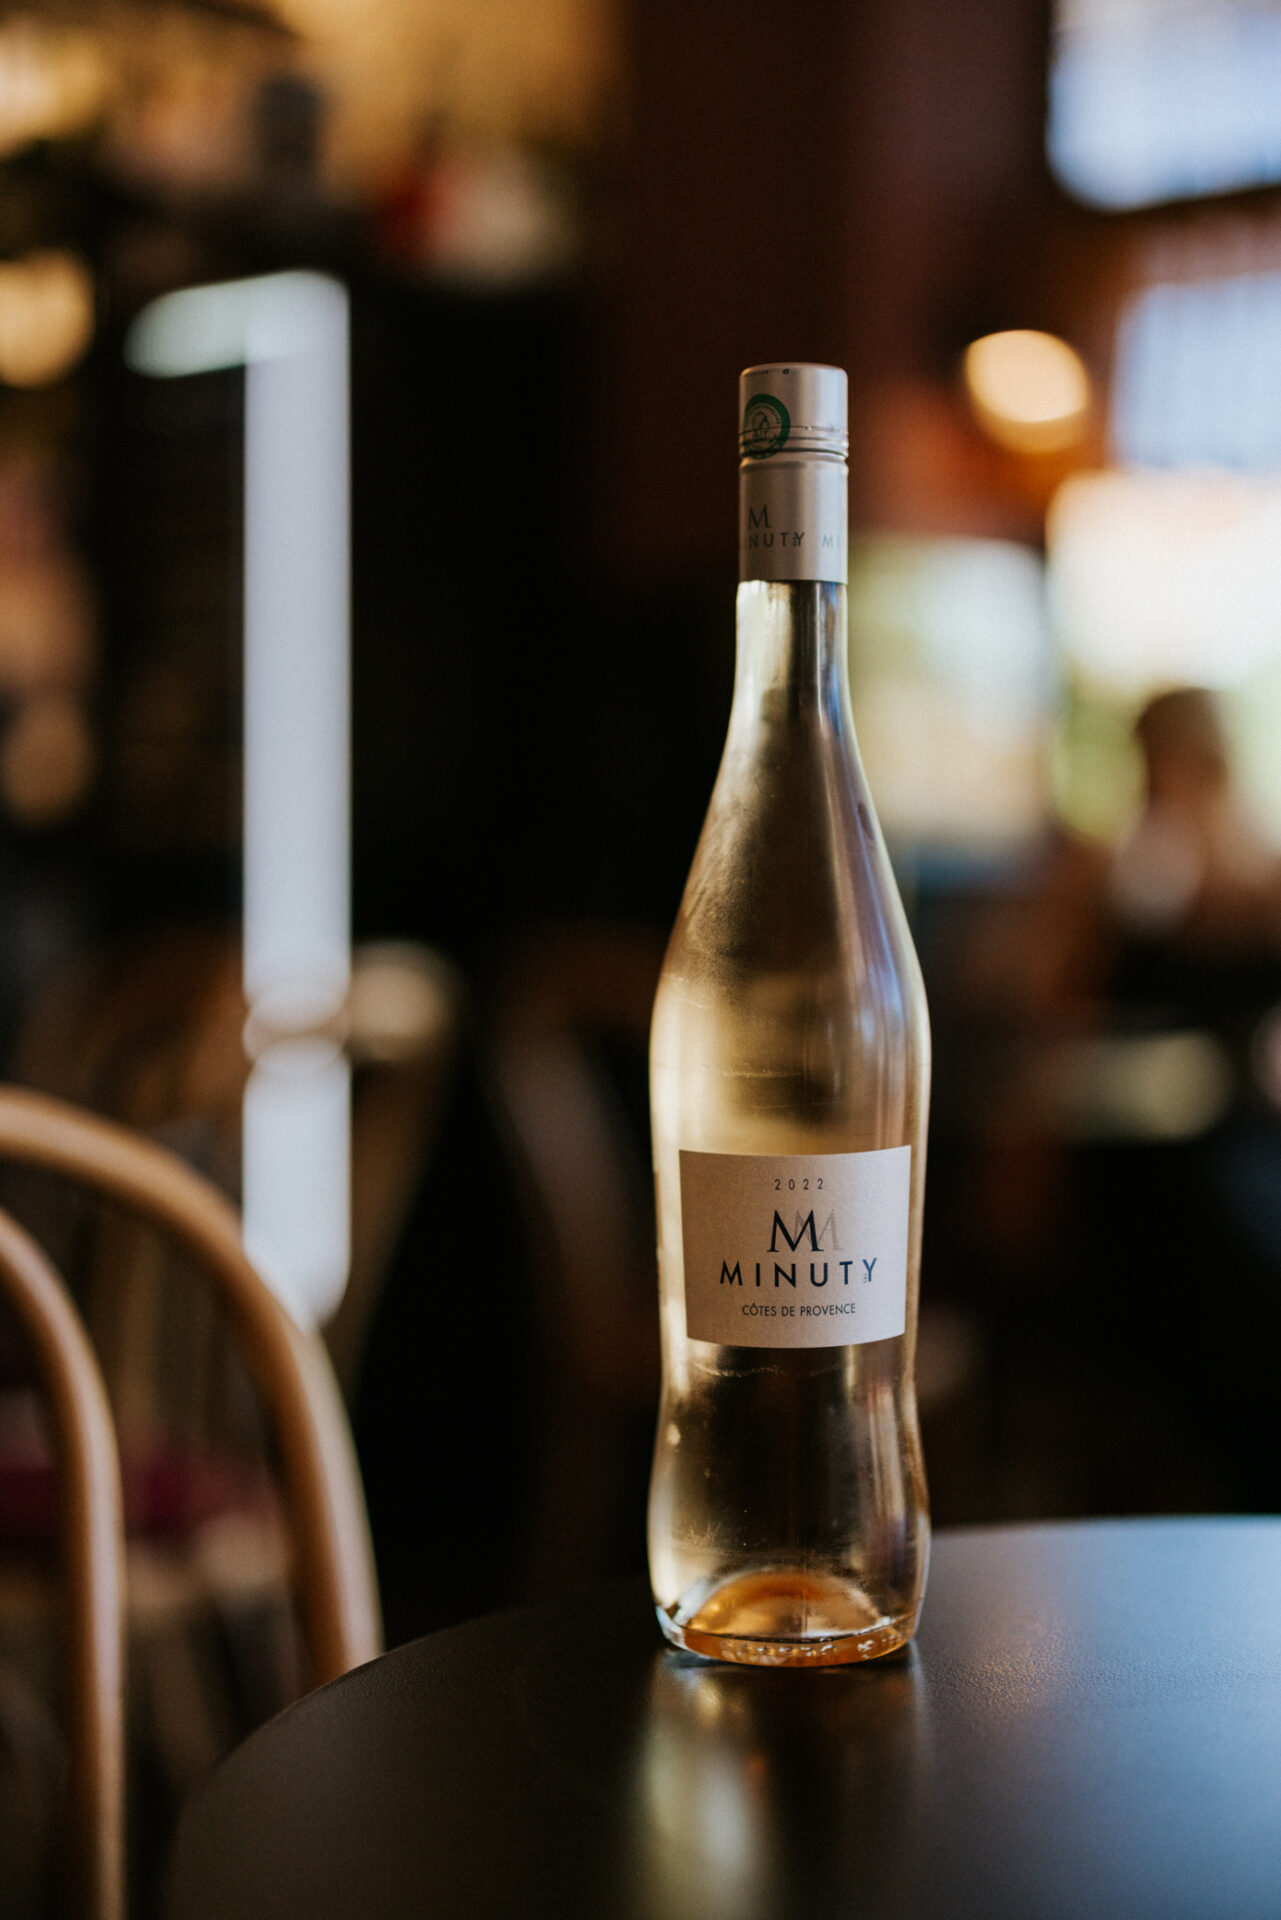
point(1179, 924)
point(1128, 1160)
point(1194, 888)
point(1172, 938)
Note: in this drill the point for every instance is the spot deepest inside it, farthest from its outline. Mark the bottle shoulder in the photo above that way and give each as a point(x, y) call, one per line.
point(790, 874)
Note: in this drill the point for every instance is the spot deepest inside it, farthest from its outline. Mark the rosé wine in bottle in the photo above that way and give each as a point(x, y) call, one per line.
point(789, 1074)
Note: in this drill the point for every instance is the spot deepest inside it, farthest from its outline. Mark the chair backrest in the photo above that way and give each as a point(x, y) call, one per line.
point(337, 1588)
point(150, 1032)
point(569, 989)
point(92, 1523)
point(568, 1044)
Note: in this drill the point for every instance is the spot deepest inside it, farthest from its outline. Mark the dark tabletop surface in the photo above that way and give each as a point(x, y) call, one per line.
point(1088, 1724)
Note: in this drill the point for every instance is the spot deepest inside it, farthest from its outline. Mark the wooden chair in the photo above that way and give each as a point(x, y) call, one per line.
point(332, 1555)
point(93, 1529)
point(149, 1031)
point(337, 1586)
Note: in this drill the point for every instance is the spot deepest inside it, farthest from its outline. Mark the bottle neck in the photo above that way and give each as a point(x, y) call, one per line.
point(793, 658)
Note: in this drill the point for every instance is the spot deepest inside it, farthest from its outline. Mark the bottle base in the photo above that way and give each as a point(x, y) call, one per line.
point(785, 1618)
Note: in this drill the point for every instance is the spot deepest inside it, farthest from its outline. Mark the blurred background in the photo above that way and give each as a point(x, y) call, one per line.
point(530, 246)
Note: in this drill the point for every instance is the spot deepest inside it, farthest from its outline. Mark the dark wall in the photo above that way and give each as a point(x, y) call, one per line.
point(862, 184)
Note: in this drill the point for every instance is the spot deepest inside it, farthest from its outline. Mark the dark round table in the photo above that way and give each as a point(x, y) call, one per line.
point(1089, 1724)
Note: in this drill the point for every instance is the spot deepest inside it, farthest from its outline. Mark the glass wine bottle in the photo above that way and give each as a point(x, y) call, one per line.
point(789, 1074)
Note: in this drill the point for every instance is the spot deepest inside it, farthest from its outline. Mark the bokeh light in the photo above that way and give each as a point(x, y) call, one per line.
point(1030, 390)
point(1167, 578)
point(54, 81)
point(46, 317)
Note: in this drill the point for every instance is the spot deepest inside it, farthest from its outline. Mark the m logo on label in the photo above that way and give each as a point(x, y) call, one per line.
point(804, 1226)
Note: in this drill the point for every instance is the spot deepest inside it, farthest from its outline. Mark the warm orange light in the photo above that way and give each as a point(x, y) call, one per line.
point(53, 81)
point(490, 72)
point(1030, 390)
point(46, 317)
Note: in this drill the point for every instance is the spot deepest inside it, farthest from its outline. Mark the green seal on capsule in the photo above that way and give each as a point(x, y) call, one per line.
point(766, 425)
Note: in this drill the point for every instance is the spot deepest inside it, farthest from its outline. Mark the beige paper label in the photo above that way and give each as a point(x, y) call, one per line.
point(793, 520)
point(801, 1250)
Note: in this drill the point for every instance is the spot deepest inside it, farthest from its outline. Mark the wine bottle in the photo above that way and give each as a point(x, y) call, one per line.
point(789, 1076)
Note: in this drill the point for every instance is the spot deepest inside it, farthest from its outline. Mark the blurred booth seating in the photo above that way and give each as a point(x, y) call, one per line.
point(319, 1532)
point(568, 1064)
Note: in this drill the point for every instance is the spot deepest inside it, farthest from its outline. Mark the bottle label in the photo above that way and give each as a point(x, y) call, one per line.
point(792, 520)
point(799, 1250)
